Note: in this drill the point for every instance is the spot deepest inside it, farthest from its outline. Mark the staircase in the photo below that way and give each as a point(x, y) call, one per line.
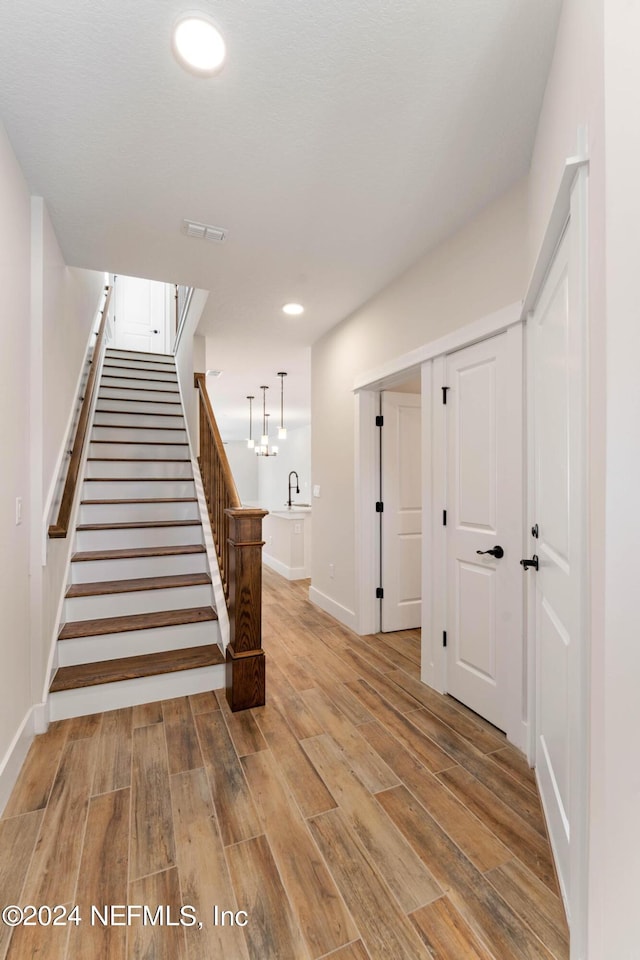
point(139, 622)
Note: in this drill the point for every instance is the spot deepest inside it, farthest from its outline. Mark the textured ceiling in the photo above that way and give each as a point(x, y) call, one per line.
point(342, 139)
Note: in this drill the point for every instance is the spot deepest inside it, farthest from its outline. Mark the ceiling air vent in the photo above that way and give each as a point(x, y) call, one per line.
point(203, 231)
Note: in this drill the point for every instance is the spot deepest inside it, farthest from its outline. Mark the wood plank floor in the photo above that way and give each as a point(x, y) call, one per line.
point(357, 816)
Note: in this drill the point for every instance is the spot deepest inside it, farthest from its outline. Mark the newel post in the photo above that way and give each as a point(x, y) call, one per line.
point(245, 656)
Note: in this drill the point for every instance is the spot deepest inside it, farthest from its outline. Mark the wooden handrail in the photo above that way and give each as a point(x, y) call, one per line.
point(60, 528)
point(237, 534)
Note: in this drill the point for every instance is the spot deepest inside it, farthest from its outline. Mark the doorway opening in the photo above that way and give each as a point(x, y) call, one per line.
point(144, 315)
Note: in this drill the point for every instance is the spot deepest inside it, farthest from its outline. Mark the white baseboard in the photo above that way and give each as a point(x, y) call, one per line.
point(290, 573)
point(333, 608)
point(16, 754)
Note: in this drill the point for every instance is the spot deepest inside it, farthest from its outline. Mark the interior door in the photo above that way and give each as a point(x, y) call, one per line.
point(401, 546)
point(484, 514)
point(555, 586)
point(140, 315)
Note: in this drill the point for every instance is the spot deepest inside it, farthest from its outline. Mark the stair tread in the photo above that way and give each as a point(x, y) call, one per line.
point(171, 403)
point(76, 629)
point(141, 356)
point(115, 386)
point(133, 413)
point(133, 668)
point(123, 376)
point(137, 585)
point(125, 426)
point(145, 443)
point(133, 553)
point(134, 524)
point(139, 460)
point(138, 479)
point(93, 503)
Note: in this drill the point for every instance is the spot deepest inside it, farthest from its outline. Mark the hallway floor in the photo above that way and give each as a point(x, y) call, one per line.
point(358, 815)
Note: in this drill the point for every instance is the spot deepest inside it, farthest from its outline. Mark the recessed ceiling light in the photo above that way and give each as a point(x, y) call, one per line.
point(198, 45)
point(293, 309)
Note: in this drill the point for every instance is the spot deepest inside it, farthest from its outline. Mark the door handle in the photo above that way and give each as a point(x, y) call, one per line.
point(530, 563)
point(496, 552)
point(155, 331)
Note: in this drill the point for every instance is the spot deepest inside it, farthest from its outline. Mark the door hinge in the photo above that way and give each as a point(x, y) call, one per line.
point(379, 421)
point(444, 638)
point(379, 506)
point(444, 394)
point(444, 518)
point(379, 593)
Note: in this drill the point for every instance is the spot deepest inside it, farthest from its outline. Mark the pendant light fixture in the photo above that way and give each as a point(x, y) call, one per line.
point(251, 442)
point(263, 450)
point(282, 430)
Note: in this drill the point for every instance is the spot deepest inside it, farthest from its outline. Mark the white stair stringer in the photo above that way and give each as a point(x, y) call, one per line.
point(140, 519)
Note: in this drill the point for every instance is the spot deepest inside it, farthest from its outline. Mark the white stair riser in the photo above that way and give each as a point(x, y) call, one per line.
point(95, 571)
point(119, 377)
point(142, 601)
point(145, 451)
point(172, 470)
point(128, 693)
point(137, 356)
point(109, 392)
point(125, 512)
point(117, 434)
point(129, 368)
point(123, 419)
point(134, 643)
point(137, 537)
point(136, 489)
point(136, 406)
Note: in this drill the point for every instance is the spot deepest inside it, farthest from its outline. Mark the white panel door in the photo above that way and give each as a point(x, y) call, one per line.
point(484, 512)
point(140, 315)
point(402, 515)
point(556, 584)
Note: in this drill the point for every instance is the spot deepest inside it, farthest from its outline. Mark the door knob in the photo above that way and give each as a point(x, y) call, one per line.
point(155, 331)
point(496, 552)
point(530, 563)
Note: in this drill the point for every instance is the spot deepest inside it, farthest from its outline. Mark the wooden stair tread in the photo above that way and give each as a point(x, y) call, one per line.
point(141, 500)
point(141, 356)
point(139, 460)
point(124, 376)
point(133, 413)
point(171, 403)
point(77, 629)
point(106, 587)
point(134, 553)
point(138, 479)
point(134, 668)
point(143, 524)
point(125, 426)
point(114, 386)
point(145, 443)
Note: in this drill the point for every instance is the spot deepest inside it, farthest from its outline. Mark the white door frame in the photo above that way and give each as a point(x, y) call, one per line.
point(431, 360)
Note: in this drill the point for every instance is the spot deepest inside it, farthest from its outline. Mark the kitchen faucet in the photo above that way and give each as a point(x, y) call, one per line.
point(291, 474)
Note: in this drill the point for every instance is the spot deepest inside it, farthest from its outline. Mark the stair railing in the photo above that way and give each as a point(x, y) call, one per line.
point(237, 534)
point(60, 528)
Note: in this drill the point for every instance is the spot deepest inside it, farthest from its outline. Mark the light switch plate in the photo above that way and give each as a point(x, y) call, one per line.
point(316, 489)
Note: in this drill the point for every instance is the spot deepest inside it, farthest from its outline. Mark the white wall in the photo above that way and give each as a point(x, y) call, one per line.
point(244, 467)
point(294, 453)
point(15, 700)
point(46, 321)
point(64, 305)
point(475, 272)
point(616, 831)
point(190, 356)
